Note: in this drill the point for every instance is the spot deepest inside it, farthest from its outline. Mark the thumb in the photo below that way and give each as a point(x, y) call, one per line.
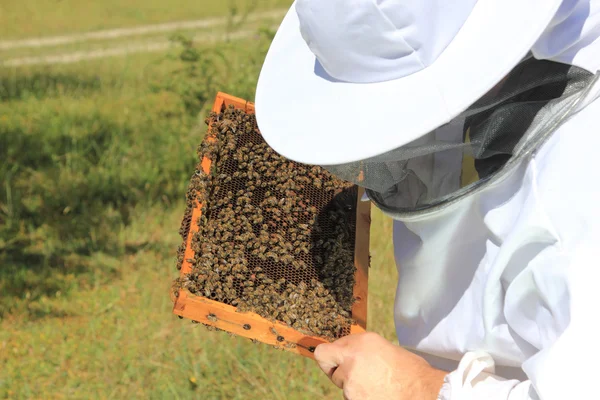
point(329, 356)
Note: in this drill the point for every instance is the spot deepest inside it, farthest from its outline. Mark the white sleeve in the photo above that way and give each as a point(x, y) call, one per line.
point(563, 313)
point(474, 379)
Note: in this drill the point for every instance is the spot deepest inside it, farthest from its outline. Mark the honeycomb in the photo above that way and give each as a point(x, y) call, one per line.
point(275, 237)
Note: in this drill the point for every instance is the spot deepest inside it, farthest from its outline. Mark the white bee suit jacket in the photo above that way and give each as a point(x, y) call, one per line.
point(501, 288)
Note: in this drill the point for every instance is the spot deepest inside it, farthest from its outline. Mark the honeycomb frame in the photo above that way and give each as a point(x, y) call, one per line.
point(250, 325)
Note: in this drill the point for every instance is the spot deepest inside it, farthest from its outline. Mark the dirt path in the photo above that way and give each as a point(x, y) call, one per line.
point(123, 47)
point(126, 32)
point(148, 47)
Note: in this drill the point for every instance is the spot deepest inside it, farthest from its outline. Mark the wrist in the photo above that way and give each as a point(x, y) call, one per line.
point(432, 382)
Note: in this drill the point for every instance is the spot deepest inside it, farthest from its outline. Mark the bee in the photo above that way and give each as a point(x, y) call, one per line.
point(227, 125)
point(272, 255)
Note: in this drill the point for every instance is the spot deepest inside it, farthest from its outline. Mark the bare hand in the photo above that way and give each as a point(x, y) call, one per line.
point(366, 366)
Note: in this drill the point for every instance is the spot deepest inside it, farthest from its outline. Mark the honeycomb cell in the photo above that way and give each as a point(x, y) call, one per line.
point(292, 224)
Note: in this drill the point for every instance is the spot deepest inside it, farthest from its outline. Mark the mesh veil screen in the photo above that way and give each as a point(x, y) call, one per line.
point(489, 133)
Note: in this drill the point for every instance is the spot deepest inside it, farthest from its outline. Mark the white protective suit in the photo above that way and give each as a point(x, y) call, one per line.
point(497, 279)
point(501, 288)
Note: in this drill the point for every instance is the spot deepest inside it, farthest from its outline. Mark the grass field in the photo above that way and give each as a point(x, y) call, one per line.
point(95, 161)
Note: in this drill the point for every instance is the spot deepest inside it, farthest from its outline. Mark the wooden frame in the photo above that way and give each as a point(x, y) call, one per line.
point(251, 325)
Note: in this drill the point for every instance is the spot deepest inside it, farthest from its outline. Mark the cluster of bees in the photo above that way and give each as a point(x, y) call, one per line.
point(275, 237)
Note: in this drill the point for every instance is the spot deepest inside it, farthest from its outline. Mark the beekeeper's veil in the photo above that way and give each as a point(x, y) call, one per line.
point(462, 155)
point(422, 102)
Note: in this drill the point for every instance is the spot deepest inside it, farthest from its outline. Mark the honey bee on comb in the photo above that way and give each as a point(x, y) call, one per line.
point(275, 237)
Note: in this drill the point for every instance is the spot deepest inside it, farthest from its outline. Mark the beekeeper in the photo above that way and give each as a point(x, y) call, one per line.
point(475, 125)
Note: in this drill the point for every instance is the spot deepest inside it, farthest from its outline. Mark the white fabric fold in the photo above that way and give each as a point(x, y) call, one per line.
point(474, 379)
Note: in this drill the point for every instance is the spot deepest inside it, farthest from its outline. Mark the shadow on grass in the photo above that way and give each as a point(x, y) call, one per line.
point(27, 281)
point(66, 193)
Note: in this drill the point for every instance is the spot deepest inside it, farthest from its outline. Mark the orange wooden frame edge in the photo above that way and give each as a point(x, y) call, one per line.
point(253, 326)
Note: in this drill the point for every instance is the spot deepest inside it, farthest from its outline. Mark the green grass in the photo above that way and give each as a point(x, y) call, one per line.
point(95, 161)
point(120, 340)
point(36, 18)
point(85, 144)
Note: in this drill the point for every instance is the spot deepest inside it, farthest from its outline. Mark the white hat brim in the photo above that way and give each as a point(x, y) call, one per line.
point(311, 118)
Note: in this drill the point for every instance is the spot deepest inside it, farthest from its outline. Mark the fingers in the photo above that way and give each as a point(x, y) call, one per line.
point(340, 376)
point(336, 359)
point(366, 366)
point(329, 357)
